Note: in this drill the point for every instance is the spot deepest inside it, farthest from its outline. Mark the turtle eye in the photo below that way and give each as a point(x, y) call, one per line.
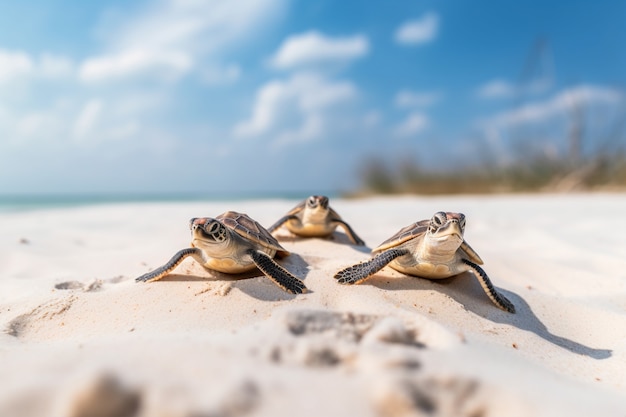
point(312, 201)
point(439, 218)
point(437, 221)
point(462, 221)
point(216, 230)
point(191, 222)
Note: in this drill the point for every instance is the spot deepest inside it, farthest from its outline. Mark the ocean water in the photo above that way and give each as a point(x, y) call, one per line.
point(16, 203)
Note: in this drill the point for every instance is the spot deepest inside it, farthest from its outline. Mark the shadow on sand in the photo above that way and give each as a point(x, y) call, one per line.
point(466, 289)
point(259, 289)
point(339, 238)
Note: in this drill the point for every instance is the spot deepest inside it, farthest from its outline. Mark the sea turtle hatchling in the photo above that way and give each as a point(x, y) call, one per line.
point(432, 249)
point(313, 217)
point(233, 243)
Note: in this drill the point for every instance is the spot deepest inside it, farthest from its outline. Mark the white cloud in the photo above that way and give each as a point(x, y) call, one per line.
point(123, 131)
point(415, 123)
point(193, 25)
point(19, 64)
point(560, 104)
point(88, 118)
point(14, 64)
point(410, 99)
point(418, 31)
point(34, 123)
point(221, 75)
point(308, 95)
point(164, 64)
point(134, 104)
point(34, 127)
point(171, 38)
point(312, 127)
point(497, 89)
point(55, 66)
point(313, 48)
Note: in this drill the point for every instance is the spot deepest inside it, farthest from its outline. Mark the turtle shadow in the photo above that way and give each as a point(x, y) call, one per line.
point(465, 289)
point(336, 237)
point(295, 264)
point(264, 289)
point(525, 319)
point(465, 286)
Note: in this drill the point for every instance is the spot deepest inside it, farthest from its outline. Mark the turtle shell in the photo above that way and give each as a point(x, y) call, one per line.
point(250, 229)
point(409, 232)
point(416, 231)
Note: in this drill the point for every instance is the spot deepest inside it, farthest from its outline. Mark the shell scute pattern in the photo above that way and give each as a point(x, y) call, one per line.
point(250, 229)
point(403, 235)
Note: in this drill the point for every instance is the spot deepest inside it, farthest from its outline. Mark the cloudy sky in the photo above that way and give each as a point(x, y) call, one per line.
point(277, 95)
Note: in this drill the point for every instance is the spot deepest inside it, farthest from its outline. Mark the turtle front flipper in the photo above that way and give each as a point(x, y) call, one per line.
point(162, 271)
point(497, 298)
point(279, 275)
point(360, 272)
point(280, 222)
point(351, 234)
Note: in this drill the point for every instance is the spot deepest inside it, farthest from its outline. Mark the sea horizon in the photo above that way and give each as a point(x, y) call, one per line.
point(40, 201)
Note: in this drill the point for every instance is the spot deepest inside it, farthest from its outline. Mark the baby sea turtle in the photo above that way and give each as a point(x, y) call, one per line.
point(313, 217)
point(433, 249)
point(233, 243)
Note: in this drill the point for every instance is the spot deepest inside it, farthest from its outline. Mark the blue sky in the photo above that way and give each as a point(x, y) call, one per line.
point(291, 96)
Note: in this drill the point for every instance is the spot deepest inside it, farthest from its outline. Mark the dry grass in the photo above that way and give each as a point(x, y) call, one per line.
point(605, 171)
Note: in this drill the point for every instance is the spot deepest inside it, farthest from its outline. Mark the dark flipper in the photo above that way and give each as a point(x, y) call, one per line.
point(497, 298)
point(162, 271)
point(280, 222)
point(353, 236)
point(360, 272)
point(281, 277)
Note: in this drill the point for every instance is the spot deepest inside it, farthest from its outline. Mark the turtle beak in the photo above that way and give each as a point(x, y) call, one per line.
point(316, 201)
point(452, 229)
point(197, 223)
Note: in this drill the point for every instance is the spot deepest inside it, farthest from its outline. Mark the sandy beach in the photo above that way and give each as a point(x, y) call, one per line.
point(82, 338)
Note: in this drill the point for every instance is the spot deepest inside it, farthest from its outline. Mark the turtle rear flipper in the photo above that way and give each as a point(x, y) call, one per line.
point(360, 272)
point(162, 271)
point(279, 275)
point(497, 298)
point(351, 234)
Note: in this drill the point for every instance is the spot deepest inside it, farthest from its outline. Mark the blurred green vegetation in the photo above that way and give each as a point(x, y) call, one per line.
point(528, 173)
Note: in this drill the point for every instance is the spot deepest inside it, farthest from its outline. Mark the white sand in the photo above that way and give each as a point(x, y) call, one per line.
point(83, 339)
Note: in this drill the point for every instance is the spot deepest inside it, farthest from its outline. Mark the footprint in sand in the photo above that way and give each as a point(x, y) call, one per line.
point(398, 397)
point(101, 395)
point(93, 285)
point(70, 285)
point(327, 339)
point(241, 400)
point(22, 324)
point(393, 378)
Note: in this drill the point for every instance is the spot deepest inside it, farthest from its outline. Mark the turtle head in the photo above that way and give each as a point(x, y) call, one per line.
point(445, 230)
point(206, 231)
point(317, 201)
point(316, 209)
